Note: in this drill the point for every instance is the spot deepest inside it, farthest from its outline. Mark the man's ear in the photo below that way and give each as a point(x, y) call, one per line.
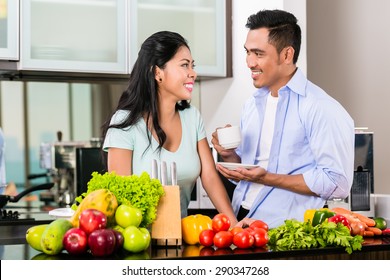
point(288, 54)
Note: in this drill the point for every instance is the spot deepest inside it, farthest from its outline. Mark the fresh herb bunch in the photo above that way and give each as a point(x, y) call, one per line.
point(139, 191)
point(303, 235)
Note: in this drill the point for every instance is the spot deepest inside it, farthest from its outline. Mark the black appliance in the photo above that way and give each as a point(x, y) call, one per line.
point(88, 160)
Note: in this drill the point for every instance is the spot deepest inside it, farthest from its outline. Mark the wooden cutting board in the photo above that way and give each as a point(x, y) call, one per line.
point(166, 229)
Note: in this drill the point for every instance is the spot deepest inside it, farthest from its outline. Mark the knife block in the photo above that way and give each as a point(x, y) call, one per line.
point(166, 229)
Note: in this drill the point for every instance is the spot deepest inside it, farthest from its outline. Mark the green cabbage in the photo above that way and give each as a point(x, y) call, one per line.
point(139, 191)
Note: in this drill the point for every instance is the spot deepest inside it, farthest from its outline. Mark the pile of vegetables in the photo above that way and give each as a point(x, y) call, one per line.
point(140, 191)
point(294, 234)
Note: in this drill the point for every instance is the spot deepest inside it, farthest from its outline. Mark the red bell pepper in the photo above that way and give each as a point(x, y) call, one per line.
point(340, 219)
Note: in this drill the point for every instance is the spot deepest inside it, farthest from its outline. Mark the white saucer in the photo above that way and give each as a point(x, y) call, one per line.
point(234, 166)
point(62, 212)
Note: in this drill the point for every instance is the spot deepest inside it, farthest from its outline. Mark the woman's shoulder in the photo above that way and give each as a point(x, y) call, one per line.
point(119, 116)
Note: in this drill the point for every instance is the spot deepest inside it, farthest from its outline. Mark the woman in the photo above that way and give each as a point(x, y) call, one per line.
point(154, 120)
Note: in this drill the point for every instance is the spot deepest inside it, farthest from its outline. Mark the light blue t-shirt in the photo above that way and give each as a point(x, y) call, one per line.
point(186, 157)
point(313, 135)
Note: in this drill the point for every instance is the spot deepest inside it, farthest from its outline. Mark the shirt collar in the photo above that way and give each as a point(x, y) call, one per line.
point(296, 84)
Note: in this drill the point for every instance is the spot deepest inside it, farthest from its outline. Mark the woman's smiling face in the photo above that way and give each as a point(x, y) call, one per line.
point(178, 76)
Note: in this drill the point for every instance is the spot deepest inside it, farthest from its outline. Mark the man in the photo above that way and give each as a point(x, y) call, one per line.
point(300, 137)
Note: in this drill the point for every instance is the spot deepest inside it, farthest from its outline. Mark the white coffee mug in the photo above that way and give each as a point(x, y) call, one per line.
point(229, 137)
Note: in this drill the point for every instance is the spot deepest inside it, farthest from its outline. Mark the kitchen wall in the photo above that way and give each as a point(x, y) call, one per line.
point(347, 48)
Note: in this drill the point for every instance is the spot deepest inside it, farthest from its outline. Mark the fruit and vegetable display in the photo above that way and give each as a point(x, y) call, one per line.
point(112, 215)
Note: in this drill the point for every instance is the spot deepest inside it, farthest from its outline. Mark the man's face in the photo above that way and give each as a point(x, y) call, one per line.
point(263, 60)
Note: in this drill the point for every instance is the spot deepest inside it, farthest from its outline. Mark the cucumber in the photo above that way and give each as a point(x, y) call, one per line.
point(51, 241)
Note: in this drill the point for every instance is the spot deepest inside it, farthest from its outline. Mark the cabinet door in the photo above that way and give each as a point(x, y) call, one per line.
point(74, 36)
point(9, 29)
point(201, 22)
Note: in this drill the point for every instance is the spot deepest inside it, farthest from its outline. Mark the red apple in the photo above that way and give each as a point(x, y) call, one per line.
point(75, 241)
point(119, 239)
point(102, 242)
point(91, 220)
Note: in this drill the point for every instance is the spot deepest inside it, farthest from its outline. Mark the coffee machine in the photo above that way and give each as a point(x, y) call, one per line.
point(70, 165)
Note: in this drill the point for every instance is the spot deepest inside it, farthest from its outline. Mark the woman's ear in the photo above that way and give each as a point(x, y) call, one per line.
point(158, 74)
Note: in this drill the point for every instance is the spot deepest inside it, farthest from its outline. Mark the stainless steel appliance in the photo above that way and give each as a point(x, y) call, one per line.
point(70, 165)
point(361, 199)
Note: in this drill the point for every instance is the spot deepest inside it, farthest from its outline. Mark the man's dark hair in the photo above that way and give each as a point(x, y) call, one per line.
point(283, 29)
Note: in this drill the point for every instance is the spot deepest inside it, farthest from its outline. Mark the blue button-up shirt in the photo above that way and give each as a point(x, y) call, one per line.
point(313, 136)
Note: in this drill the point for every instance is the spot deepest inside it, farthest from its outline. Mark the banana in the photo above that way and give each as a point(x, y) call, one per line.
point(51, 241)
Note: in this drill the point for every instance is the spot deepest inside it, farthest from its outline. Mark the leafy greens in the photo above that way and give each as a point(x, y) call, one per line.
point(302, 235)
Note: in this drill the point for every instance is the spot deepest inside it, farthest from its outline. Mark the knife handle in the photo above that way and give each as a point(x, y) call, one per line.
point(173, 173)
point(164, 173)
point(154, 169)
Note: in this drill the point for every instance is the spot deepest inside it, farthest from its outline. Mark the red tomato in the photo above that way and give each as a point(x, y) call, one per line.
point(243, 239)
point(235, 230)
point(223, 239)
point(220, 222)
point(261, 237)
point(206, 237)
point(259, 224)
point(250, 230)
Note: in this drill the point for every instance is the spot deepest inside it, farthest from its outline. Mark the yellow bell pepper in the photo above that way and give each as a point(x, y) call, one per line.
point(309, 214)
point(314, 215)
point(192, 226)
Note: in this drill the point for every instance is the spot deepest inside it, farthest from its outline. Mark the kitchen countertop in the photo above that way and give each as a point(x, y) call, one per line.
point(13, 245)
point(377, 248)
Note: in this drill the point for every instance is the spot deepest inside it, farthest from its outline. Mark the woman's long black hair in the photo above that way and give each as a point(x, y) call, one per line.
point(141, 96)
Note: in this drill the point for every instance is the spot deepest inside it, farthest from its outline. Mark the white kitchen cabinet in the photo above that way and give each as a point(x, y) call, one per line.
point(74, 36)
point(87, 37)
point(9, 30)
point(206, 25)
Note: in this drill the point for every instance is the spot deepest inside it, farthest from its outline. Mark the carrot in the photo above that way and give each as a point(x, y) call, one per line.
point(368, 233)
point(341, 211)
point(368, 221)
point(375, 230)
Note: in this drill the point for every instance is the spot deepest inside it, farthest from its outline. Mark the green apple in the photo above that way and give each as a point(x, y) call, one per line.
point(126, 215)
point(136, 239)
